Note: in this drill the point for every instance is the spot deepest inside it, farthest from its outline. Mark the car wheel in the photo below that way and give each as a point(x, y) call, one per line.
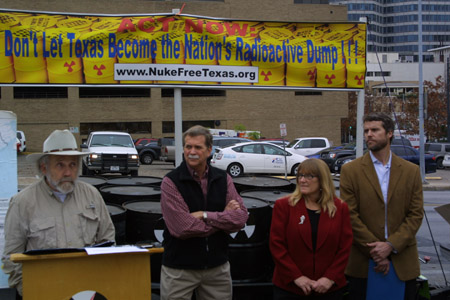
point(147, 159)
point(439, 162)
point(294, 170)
point(235, 170)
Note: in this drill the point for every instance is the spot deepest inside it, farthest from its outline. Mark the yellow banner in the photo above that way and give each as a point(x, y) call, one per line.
point(38, 48)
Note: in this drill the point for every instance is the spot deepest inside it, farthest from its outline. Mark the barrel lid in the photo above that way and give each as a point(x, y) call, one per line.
point(131, 190)
point(143, 206)
point(266, 195)
point(261, 181)
point(93, 180)
point(135, 180)
point(115, 209)
point(253, 202)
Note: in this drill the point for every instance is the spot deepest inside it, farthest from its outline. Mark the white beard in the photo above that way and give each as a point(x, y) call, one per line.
point(64, 186)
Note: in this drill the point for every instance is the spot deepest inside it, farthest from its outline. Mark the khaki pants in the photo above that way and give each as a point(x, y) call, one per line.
point(209, 284)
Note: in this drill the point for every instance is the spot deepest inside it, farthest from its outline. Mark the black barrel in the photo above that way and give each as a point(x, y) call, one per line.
point(141, 219)
point(250, 262)
point(269, 196)
point(96, 181)
point(257, 228)
point(156, 258)
point(118, 194)
point(118, 217)
point(245, 183)
point(136, 180)
point(249, 254)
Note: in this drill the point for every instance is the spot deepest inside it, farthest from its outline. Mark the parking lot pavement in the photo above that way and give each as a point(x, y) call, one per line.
point(439, 181)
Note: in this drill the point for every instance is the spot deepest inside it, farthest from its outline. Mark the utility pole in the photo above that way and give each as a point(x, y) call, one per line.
point(447, 71)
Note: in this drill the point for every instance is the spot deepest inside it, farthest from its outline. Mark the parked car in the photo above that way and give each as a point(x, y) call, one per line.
point(309, 145)
point(168, 151)
point(113, 152)
point(255, 157)
point(446, 161)
point(149, 152)
point(22, 140)
point(401, 141)
point(439, 150)
point(225, 141)
point(406, 152)
point(330, 156)
point(144, 141)
point(277, 141)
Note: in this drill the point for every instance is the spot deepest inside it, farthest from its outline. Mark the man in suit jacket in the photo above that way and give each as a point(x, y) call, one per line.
point(384, 195)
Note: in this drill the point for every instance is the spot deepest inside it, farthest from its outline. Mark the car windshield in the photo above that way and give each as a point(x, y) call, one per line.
point(111, 140)
point(292, 144)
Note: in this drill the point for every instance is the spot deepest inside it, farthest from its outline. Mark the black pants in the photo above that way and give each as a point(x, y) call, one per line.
point(280, 294)
point(357, 288)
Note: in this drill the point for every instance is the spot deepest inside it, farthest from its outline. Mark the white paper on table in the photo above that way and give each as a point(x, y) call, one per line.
point(110, 250)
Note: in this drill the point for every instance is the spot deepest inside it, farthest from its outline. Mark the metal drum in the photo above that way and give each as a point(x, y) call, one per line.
point(156, 258)
point(269, 196)
point(245, 183)
point(118, 194)
point(250, 262)
point(249, 254)
point(257, 228)
point(136, 180)
point(118, 217)
point(141, 219)
point(96, 181)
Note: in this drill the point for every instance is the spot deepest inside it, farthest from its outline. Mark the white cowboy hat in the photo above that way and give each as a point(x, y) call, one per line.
point(59, 142)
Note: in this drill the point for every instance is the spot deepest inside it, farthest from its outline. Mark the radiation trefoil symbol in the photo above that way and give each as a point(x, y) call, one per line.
point(248, 229)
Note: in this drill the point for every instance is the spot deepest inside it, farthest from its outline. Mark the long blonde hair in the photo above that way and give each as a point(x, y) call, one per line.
point(320, 169)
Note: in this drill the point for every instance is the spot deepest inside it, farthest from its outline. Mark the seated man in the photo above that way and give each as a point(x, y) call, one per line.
point(57, 211)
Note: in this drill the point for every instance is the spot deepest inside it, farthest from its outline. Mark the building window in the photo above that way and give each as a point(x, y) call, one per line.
point(39, 92)
point(169, 126)
point(130, 127)
point(307, 93)
point(121, 92)
point(194, 93)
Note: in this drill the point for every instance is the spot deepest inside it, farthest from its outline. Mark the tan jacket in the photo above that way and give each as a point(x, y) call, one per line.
point(36, 219)
point(361, 190)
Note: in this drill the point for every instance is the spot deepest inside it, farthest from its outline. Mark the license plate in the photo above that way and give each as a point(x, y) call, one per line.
point(114, 168)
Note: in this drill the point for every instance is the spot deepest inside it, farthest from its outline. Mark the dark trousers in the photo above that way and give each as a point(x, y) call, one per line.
point(357, 288)
point(280, 294)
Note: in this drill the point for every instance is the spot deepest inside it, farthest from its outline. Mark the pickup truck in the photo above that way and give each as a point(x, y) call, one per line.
point(308, 145)
point(149, 152)
point(112, 152)
point(167, 149)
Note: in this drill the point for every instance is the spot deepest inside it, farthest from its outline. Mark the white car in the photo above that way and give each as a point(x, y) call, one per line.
point(446, 161)
point(256, 157)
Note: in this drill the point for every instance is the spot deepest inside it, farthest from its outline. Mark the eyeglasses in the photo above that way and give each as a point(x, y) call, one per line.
point(306, 176)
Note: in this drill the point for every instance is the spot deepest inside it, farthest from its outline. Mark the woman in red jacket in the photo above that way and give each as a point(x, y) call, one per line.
point(310, 237)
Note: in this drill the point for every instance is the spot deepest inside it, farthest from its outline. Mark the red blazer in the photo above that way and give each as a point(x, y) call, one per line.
point(291, 245)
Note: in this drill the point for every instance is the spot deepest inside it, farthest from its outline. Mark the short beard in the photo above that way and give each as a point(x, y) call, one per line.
point(63, 186)
point(378, 146)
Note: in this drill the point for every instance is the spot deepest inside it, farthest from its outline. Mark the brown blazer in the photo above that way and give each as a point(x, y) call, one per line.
point(359, 187)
